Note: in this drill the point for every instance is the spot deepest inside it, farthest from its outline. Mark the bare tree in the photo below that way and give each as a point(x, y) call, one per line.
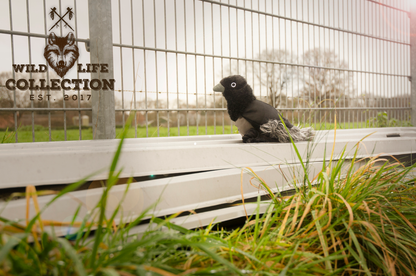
point(22, 97)
point(323, 86)
point(41, 98)
point(276, 77)
point(8, 97)
point(270, 75)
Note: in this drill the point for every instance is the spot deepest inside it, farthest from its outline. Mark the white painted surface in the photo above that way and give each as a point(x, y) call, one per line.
point(168, 195)
point(66, 162)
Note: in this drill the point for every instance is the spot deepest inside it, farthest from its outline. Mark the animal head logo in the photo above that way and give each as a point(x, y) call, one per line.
point(61, 53)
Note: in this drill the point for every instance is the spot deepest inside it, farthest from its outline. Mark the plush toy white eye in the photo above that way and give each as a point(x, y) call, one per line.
point(233, 84)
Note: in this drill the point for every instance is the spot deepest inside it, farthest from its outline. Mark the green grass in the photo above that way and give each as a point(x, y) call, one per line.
point(42, 133)
point(358, 218)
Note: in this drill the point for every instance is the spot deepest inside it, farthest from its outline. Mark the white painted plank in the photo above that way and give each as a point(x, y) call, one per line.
point(66, 162)
point(172, 195)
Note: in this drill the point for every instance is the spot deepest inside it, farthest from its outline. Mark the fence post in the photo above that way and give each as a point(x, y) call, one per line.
point(413, 60)
point(101, 51)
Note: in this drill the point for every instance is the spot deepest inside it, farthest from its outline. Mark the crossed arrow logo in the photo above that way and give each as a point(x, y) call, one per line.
point(69, 12)
point(61, 52)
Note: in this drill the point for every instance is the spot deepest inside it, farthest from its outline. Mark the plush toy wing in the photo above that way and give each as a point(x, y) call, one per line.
point(258, 113)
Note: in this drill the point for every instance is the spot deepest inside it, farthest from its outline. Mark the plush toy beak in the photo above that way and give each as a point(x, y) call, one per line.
point(219, 88)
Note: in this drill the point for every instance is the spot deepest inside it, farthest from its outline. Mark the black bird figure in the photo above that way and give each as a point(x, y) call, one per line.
point(257, 121)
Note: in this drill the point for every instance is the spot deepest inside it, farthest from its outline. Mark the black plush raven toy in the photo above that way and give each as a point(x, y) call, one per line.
point(257, 121)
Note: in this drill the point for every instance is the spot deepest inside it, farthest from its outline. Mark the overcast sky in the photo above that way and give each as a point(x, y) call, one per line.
point(218, 30)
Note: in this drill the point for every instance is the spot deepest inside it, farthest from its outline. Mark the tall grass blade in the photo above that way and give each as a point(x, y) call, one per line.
point(72, 254)
point(103, 201)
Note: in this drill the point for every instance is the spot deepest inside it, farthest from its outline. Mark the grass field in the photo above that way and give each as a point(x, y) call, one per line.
point(42, 133)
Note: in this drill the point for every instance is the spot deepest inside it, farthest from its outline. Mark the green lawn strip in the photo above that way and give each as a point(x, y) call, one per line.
point(73, 134)
point(42, 133)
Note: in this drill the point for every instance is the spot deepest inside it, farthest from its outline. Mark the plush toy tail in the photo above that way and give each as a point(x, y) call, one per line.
point(276, 130)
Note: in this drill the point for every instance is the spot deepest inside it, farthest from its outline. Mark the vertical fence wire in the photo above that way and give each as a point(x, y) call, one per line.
point(78, 90)
point(13, 72)
point(229, 47)
point(63, 91)
point(47, 73)
point(134, 68)
point(144, 70)
point(157, 79)
point(167, 72)
point(213, 66)
point(121, 62)
point(196, 69)
point(29, 44)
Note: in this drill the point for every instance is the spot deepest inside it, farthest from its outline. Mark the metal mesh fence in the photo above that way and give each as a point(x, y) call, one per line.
point(312, 60)
point(24, 32)
point(316, 61)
